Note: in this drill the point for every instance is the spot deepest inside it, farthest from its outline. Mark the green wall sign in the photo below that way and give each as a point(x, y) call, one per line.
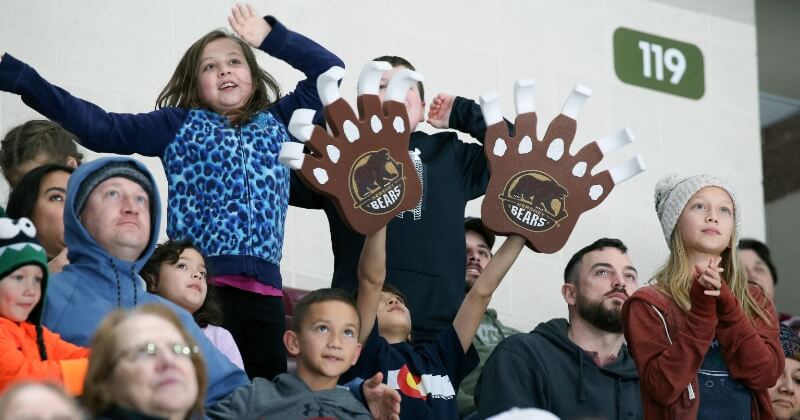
point(657, 63)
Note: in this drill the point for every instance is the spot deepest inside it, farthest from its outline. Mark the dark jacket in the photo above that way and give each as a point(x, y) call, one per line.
point(288, 397)
point(545, 369)
point(425, 248)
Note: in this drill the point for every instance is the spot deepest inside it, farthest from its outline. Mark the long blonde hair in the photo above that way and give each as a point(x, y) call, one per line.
point(676, 276)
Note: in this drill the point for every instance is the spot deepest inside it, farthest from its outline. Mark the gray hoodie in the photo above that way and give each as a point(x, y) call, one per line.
point(288, 397)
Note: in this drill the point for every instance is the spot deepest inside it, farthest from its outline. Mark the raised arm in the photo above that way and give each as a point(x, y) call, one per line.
point(98, 130)
point(477, 300)
point(371, 275)
point(296, 50)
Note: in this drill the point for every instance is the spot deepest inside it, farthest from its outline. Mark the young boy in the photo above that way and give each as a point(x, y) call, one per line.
point(27, 349)
point(425, 253)
point(324, 339)
point(427, 374)
point(36, 143)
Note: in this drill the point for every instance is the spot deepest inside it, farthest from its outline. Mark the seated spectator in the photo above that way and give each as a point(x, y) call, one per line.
point(38, 400)
point(40, 197)
point(755, 256)
point(144, 363)
point(28, 350)
point(426, 374)
point(111, 221)
point(491, 331)
point(324, 339)
point(577, 367)
point(177, 272)
point(785, 395)
point(36, 143)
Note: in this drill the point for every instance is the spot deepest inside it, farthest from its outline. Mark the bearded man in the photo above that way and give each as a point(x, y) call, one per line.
point(578, 367)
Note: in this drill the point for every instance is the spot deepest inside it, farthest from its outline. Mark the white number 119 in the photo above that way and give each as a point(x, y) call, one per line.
point(672, 59)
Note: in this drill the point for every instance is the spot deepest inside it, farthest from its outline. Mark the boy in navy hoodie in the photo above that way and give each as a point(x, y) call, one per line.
point(427, 375)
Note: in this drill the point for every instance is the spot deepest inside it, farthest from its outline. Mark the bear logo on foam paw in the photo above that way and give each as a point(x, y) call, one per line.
point(362, 164)
point(537, 189)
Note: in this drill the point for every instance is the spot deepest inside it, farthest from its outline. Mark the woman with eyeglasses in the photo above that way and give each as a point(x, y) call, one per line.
point(144, 365)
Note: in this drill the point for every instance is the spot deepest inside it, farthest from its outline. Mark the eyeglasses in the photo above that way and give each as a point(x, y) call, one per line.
point(149, 351)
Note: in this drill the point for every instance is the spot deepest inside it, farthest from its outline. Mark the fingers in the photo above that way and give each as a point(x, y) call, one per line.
point(374, 381)
point(251, 10)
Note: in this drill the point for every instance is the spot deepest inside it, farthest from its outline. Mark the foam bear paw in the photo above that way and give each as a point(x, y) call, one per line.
point(537, 188)
point(363, 164)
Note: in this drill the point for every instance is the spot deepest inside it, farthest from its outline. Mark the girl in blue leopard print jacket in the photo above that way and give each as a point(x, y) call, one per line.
point(218, 131)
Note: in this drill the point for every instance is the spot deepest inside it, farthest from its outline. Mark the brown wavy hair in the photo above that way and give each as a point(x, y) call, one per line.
point(96, 397)
point(182, 90)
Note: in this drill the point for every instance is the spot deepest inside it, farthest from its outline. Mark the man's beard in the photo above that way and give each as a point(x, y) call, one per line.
point(596, 314)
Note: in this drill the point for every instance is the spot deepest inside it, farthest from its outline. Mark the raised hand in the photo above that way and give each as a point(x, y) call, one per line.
point(709, 276)
point(439, 111)
point(382, 401)
point(537, 188)
point(364, 164)
point(248, 24)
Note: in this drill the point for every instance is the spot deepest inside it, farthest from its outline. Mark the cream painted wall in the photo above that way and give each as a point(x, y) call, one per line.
point(119, 55)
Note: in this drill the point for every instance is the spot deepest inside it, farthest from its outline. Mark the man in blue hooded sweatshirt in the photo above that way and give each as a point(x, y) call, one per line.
point(111, 218)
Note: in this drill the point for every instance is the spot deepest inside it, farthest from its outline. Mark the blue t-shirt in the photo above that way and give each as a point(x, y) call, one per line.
point(426, 375)
point(721, 396)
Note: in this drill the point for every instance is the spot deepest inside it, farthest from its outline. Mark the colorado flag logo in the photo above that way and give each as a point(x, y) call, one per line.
point(415, 386)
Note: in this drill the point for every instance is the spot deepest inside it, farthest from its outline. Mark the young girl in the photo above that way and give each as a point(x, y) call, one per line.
point(177, 272)
point(218, 132)
point(40, 196)
point(27, 349)
point(705, 342)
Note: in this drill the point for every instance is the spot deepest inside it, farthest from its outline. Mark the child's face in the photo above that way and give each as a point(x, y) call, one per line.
point(184, 282)
point(327, 345)
point(48, 213)
point(707, 222)
point(394, 318)
point(224, 80)
point(415, 107)
point(20, 291)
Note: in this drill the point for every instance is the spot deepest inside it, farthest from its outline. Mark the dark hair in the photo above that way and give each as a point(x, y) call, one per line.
point(209, 313)
point(762, 250)
point(22, 199)
point(303, 305)
point(28, 141)
point(475, 224)
point(397, 61)
point(181, 90)
point(571, 271)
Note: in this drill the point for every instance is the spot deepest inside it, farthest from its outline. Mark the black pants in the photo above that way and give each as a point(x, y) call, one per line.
point(257, 323)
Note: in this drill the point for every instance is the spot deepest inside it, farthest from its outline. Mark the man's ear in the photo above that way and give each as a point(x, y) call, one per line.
point(291, 342)
point(569, 291)
point(72, 162)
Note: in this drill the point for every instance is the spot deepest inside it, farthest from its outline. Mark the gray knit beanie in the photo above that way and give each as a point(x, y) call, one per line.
point(673, 192)
point(127, 170)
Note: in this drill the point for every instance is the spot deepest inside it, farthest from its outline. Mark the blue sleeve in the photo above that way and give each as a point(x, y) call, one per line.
point(147, 134)
point(304, 55)
point(457, 363)
point(223, 376)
